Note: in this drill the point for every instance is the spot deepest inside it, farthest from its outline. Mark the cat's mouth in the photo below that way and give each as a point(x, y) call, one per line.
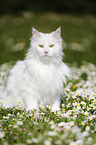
point(46, 55)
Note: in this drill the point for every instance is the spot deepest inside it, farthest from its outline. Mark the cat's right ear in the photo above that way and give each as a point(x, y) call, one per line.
point(35, 32)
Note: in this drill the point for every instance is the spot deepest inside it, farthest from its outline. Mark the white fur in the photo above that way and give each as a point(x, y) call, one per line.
point(40, 78)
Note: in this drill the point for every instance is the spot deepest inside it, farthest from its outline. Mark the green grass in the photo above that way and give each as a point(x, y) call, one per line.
point(74, 124)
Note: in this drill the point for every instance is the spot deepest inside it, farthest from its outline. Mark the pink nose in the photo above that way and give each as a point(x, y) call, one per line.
point(46, 52)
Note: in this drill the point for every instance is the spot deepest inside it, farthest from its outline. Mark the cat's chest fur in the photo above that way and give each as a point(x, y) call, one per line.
point(48, 78)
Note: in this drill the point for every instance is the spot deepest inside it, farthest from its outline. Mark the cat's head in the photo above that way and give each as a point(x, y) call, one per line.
point(47, 45)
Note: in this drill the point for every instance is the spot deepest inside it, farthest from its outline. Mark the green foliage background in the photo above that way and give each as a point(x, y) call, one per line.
point(76, 30)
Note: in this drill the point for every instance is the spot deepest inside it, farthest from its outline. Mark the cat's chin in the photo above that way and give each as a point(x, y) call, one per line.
point(46, 58)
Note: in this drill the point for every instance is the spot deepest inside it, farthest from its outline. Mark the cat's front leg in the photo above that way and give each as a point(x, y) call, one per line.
point(30, 102)
point(56, 104)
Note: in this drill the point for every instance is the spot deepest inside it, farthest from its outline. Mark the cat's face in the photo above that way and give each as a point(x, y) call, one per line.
point(46, 45)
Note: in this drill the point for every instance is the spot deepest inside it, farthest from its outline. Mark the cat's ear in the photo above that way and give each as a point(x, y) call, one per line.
point(57, 33)
point(35, 32)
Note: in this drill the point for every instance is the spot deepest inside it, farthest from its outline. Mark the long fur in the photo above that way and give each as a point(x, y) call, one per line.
point(40, 78)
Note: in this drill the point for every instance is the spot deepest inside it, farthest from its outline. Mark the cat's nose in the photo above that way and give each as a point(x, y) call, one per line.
point(45, 52)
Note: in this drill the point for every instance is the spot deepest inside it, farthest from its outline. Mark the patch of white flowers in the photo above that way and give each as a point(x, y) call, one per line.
point(74, 124)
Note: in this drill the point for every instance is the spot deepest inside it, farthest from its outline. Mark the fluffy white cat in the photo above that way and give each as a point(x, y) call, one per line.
point(40, 78)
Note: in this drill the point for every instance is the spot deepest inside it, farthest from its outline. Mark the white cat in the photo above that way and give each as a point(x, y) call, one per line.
point(40, 78)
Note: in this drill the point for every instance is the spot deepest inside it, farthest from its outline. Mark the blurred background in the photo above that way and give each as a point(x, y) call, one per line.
point(58, 6)
point(76, 18)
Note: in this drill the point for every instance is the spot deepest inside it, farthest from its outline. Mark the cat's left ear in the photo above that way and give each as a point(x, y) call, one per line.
point(35, 32)
point(57, 33)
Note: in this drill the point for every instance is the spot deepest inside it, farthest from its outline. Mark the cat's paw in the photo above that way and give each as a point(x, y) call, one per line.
point(29, 109)
point(55, 108)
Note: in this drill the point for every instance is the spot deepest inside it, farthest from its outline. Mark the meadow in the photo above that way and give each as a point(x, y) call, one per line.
point(75, 122)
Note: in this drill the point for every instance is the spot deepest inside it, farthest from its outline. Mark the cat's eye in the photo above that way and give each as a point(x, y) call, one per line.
point(51, 46)
point(41, 46)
